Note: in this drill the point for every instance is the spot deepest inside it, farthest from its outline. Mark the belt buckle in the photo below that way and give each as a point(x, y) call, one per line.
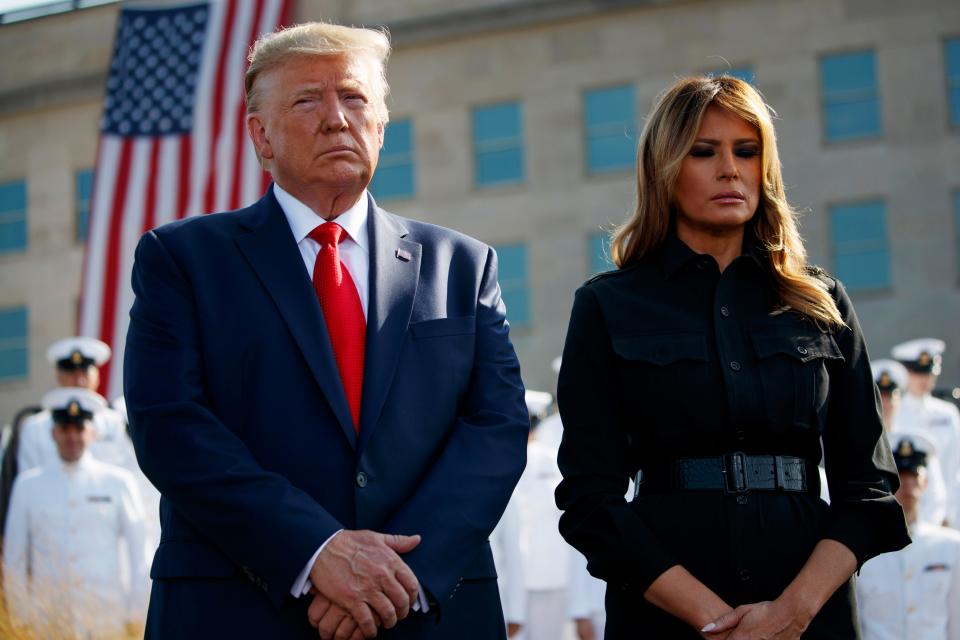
point(735, 473)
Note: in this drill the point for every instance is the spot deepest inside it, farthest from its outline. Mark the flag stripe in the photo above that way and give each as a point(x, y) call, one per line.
point(112, 274)
point(235, 177)
point(218, 104)
point(150, 201)
point(183, 184)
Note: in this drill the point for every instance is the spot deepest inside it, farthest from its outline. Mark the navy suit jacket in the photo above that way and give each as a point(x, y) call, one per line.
point(239, 418)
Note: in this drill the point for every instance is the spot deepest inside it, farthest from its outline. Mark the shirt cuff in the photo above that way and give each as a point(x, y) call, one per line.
point(421, 604)
point(302, 585)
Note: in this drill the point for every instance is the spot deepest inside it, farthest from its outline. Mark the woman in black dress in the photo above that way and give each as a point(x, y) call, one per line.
point(713, 361)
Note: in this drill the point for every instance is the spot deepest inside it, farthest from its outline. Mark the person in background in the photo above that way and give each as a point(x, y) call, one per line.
point(936, 418)
point(77, 360)
point(61, 557)
point(542, 549)
point(891, 378)
point(505, 545)
point(915, 592)
point(713, 359)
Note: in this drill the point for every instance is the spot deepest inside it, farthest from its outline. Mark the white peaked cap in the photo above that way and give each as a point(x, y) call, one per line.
point(62, 397)
point(896, 371)
point(91, 348)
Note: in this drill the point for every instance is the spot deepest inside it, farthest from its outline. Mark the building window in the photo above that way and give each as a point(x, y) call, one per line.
point(600, 257)
point(514, 283)
point(394, 175)
point(861, 254)
point(611, 129)
point(497, 145)
point(13, 344)
point(743, 73)
point(952, 55)
point(83, 191)
point(851, 105)
point(13, 216)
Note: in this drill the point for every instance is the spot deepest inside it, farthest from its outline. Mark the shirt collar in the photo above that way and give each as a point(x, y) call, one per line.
point(83, 462)
point(302, 219)
point(675, 254)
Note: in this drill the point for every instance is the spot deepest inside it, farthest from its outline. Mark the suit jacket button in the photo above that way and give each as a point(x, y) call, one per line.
point(361, 479)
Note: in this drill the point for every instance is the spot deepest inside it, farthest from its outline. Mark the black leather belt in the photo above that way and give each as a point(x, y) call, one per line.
point(731, 473)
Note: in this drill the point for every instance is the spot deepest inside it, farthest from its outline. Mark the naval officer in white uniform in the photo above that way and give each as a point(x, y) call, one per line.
point(936, 418)
point(914, 593)
point(62, 545)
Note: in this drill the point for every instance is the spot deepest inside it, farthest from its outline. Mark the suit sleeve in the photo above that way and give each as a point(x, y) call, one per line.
point(620, 548)
point(864, 515)
point(258, 519)
point(464, 493)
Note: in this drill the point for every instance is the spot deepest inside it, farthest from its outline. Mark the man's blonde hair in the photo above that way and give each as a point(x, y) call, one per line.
point(667, 138)
point(320, 39)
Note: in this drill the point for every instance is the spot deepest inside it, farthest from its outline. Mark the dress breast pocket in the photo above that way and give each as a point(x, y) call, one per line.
point(665, 369)
point(792, 360)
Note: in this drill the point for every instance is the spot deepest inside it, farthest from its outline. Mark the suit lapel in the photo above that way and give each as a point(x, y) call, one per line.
point(394, 275)
point(273, 254)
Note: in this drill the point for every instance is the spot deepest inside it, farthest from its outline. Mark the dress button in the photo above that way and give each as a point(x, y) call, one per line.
point(725, 312)
point(741, 499)
point(744, 574)
point(735, 365)
point(802, 350)
point(361, 479)
point(741, 435)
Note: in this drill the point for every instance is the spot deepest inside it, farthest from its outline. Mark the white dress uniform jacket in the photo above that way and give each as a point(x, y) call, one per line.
point(61, 550)
point(543, 549)
point(505, 544)
point(940, 421)
point(913, 594)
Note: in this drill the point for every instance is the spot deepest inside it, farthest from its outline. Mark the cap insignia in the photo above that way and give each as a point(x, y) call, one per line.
point(74, 409)
point(76, 357)
point(924, 359)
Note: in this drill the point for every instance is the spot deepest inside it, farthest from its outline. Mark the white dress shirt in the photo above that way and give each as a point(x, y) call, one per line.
point(62, 549)
point(354, 249)
point(914, 593)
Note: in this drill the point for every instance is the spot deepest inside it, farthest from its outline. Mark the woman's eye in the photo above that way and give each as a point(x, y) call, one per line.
point(748, 153)
point(702, 152)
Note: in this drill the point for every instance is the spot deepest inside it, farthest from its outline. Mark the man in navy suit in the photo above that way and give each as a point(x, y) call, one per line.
point(333, 412)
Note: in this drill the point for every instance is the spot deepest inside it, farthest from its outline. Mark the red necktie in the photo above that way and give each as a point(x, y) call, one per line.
point(342, 311)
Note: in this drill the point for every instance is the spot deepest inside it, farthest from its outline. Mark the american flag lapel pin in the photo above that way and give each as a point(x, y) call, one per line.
point(404, 255)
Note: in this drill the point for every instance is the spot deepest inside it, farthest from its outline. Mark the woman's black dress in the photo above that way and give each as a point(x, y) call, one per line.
point(670, 358)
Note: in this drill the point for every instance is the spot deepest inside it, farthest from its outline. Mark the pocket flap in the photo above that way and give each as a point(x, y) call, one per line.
point(190, 559)
point(802, 346)
point(443, 327)
point(662, 349)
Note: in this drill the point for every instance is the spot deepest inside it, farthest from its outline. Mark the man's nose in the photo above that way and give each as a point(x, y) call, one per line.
point(333, 118)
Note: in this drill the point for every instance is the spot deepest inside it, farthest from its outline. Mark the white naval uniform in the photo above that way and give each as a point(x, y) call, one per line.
point(61, 550)
point(939, 420)
point(505, 544)
point(544, 551)
point(914, 593)
point(112, 445)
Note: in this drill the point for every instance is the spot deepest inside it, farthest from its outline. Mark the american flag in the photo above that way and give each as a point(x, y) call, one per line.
point(172, 142)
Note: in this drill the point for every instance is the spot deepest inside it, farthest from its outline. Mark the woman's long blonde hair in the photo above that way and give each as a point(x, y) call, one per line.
point(667, 138)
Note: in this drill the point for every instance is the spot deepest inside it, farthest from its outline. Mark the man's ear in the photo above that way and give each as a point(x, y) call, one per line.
point(381, 127)
point(256, 129)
